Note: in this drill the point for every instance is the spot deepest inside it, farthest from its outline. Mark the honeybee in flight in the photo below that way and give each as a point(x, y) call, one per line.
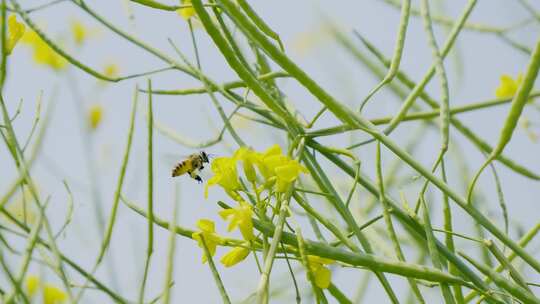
point(191, 165)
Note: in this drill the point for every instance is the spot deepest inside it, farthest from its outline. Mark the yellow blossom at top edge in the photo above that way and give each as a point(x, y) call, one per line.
point(186, 12)
point(241, 218)
point(32, 285)
point(15, 32)
point(225, 175)
point(53, 295)
point(79, 32)
point(95, 116)
point(508, 86)
point(207, 231)
point(42, 53)
point(235, 256)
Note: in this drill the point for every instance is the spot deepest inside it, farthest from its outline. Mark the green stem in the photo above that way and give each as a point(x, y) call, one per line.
point(226, 86)
point(517, 291)
point(410, 223)
point(499, 255)
point(262, 289)
point(421, 85)
point(338, 295)
point(433, 252)
point(150, 206)
point(215, 273)
point(389, 225)
point(398, 51)
point(118, 191)
point(475, 139)
point(522, 242)
point(518, 104)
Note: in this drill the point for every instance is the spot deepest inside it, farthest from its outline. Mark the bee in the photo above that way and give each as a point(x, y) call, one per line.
point(191, 165)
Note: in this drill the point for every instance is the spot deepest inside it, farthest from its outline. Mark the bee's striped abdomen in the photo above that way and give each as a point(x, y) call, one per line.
point(180, 168)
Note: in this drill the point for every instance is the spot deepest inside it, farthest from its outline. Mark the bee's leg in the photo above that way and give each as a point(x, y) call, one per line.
point(198, 179)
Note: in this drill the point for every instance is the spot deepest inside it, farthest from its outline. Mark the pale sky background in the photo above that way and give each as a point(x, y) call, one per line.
point(483, 59)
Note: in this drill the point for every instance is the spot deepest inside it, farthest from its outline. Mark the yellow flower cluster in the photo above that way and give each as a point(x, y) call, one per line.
point(51, 293)
point(15, 32)
point(508, 86)
point(270, 170)
point(42, 52)
point(274, 167)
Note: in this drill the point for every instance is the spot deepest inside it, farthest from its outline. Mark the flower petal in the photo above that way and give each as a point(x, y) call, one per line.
point(323, 277)
point(206, 225)
point(235, 256)
point(32, 285)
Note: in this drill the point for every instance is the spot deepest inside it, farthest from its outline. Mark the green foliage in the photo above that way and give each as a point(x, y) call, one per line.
point(289, 199)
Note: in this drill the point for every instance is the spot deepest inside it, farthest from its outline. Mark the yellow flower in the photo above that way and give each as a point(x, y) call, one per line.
point(79, 32)
point(53, 295)
point(95, 116)
point(208, 233)
point(186, 12)
point(240, 217)
point(43, 54)
point(111, 70)
point(15, 32)
point(272, 163)
point(32, 285)
point(508, 86)
point(248, 158)
point(225, 175)
point(266, 159)
point(321, 274)
point(235, 256)
point(287, 173)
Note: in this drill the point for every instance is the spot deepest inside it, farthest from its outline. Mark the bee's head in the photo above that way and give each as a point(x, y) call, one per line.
point(204, 157)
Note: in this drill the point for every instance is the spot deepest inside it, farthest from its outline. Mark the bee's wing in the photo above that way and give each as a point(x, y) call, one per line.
point(171, 159)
